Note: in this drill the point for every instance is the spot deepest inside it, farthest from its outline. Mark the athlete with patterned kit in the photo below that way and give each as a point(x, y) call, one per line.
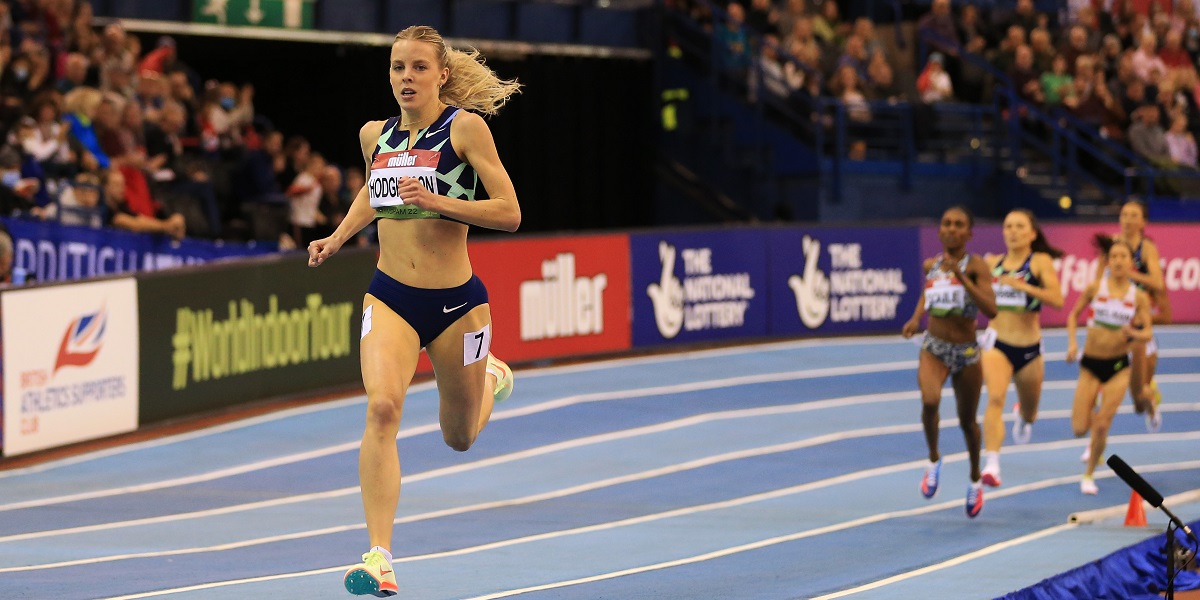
point(424, 168)
point(957, 289)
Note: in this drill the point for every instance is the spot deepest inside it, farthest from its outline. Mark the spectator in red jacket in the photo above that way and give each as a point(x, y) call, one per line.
point(124, 216)
point(158, 60)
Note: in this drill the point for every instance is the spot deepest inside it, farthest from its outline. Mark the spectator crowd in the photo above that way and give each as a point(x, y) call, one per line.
point(100, 131)
point(1127, 69)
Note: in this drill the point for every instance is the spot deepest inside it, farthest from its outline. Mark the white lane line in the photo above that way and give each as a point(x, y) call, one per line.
point(543, 450)
point(1103, 514)
point(530, 499)
point(1074, 520)
point(505, 414)
point(778, 493)
point(958, 560)
point(210, 586)
point(193, 435)
point(534, 372)
point(524, 411)
point(598, 439)
point(561, 370)
point(805, 534)
point(868, 520)
point(562, 533)
point(1162, 353)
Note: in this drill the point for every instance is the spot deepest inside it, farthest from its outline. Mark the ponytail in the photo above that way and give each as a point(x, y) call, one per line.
point(1103, 242)
point(472, 84)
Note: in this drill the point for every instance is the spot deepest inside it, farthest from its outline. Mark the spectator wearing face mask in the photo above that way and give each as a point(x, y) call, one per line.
point(151, 93)
point(226, 110)
point(15, 88)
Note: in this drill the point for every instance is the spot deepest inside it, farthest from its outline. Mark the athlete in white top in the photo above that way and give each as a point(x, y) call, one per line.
point(1120, 317)
point(1147, 274)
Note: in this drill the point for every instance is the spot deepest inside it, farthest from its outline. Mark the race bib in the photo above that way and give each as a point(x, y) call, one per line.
point(944, 297)
point(477, 344)
point(1112, 313)
point(986, 339)
point(1008, 297)
point(390, 167)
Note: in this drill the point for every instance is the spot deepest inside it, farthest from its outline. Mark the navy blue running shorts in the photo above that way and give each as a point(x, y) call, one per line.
point(429, 312)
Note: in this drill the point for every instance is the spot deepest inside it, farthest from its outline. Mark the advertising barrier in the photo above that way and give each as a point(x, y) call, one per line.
point(91, 359)
point(699, 286)
point(47, 251)
point(231, 333)
point(834, 281)
point(556, 296)
point(70, 364)
point(1179, 257)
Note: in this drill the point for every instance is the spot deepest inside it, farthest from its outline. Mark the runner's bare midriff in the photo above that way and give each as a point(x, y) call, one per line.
point(424, 253)
point(1018, 329)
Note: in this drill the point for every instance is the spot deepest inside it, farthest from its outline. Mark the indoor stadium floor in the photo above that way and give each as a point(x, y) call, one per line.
point(770, 471)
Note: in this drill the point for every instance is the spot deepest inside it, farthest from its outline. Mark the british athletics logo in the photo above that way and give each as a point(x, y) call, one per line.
point(82, 340)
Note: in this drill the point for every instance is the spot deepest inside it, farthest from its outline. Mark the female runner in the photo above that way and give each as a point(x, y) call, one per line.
point(1024, 280)
point(423, 167)
point(1120, 317)
point(957, 288)
point(1147, 274)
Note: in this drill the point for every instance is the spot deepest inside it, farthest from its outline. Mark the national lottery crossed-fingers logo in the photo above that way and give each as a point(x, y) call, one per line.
point(82, 340)
point(705, 299)
point(858, 286)
point(812, 287)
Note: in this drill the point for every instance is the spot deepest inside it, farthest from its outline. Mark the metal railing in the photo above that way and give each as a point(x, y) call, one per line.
point(1008, 133)
point(1078, 153)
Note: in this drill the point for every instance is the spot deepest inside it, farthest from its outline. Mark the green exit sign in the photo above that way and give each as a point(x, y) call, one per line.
point(292, 14)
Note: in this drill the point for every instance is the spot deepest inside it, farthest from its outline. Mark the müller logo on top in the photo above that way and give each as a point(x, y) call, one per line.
point(402, 160)
point(561, 304)
point(407, 158)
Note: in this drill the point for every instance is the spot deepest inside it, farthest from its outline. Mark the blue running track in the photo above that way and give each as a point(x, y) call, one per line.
point(777, 471)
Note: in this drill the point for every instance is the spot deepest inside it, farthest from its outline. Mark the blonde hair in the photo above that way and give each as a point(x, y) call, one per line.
point(82, 100)
point(472, 84)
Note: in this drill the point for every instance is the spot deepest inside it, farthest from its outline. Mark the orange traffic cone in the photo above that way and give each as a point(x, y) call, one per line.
point(1136, 515)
